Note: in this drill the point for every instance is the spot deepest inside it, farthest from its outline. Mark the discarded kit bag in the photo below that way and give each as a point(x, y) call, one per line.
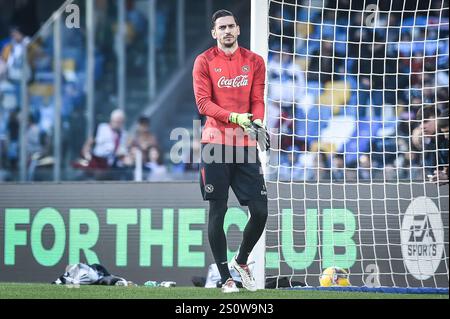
point(95, 274)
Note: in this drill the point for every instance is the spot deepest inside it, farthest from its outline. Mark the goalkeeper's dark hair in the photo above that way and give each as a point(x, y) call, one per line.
point(220, 14)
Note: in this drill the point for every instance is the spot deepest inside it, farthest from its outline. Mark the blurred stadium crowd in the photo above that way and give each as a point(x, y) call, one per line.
point(94, 157)
point(343, 94)
point(345, 90)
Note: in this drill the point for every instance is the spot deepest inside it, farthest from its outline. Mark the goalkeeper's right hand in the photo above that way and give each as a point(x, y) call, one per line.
point(241, 119)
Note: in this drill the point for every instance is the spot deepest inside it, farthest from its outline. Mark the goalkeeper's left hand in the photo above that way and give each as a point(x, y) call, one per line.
point(258, 132)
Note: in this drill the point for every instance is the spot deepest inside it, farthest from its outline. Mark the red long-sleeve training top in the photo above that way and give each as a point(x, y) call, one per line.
point(224, 84)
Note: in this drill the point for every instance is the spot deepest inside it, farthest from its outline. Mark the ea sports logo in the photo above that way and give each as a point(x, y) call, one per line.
point(422, 236)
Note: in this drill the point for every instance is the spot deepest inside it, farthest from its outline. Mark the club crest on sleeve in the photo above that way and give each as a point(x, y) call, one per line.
point(209, 188)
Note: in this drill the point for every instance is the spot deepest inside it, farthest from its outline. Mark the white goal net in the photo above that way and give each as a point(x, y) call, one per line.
point(357, 103)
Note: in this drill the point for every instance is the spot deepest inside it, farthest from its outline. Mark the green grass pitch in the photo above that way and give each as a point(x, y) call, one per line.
point(47, 291)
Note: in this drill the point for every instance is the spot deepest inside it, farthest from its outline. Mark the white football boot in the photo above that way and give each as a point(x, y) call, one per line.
point(229, 286)
point(248, 282)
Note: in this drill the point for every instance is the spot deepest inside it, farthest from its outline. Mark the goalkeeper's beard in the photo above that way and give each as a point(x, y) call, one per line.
point(228, 45)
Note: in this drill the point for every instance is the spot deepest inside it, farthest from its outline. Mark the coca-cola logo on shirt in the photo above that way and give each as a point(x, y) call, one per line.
point(238, 81)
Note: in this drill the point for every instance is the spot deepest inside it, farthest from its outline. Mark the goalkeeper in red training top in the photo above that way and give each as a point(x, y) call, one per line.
point(229, 90)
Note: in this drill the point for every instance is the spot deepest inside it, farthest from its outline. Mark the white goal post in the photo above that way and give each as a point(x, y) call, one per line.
point(259, 31)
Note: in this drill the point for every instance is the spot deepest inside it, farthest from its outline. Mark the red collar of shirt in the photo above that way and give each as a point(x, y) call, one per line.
point(232, 56)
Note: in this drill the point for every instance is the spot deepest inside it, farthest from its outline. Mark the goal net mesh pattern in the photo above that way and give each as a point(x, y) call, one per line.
point(357, 104)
